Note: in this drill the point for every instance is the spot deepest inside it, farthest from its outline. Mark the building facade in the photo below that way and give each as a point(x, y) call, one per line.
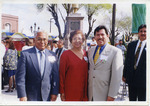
point(9, 23)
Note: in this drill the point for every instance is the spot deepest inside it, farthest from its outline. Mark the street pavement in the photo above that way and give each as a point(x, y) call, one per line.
point(11, 97)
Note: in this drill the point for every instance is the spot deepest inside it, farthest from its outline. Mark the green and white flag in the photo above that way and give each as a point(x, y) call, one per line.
point(138, 16)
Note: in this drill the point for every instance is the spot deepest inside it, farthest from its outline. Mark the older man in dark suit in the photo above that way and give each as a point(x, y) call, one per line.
point(37, 76)
point(135, 67)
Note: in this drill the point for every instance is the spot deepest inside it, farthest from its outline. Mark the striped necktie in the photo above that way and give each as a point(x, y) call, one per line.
point(96, 55)
point(42, 62)
point(137, 55)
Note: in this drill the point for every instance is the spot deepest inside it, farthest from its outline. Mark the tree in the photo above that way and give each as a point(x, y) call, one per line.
point(54, 9)
point(123, 25)
point(91, 10)
point(94, 9)
point(68, 9)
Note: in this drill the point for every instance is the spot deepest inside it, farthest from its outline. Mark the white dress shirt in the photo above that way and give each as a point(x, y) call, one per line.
point(142, 46)
point(38, 55)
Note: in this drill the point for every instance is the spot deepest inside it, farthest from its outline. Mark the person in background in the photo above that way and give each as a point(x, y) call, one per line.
point(5, 72)
point(2, 52)
point(4, 43)
point(48, 46)
point(29, 44)
point(93, 42)
point(105, 68)
point(37, 76)
point(73, 69)
point(10, 63)
point(60, 49)
point(7, 40)
point(54, 46)
point(122, 47)
point(134, 73)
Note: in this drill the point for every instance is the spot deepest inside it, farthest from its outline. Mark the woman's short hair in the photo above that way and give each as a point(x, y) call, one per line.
point(11, 45)
point(73, 33)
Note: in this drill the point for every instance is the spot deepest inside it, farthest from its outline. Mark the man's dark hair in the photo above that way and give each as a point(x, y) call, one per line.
point(99, 28)
point(61, 38)
point(141, 26)
point(54, 41)
point(93, 37)
point(7, 38)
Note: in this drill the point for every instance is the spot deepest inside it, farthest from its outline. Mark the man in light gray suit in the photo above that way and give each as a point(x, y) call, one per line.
point(105, 68)
point(37, 76)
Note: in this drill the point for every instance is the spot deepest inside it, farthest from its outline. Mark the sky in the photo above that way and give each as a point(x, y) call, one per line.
point(28, 15)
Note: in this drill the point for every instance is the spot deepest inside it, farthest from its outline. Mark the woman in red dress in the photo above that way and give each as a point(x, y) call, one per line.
point(73, 70)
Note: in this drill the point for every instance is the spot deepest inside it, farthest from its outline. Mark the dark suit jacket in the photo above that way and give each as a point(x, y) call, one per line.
point(135, 77)
point(28, 78)
point(63, 49)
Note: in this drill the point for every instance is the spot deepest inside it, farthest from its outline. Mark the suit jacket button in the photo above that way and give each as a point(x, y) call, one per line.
point(94, 68)
point(93, 76)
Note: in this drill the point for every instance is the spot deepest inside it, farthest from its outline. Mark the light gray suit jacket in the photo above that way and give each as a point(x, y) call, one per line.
point(105, 76)
point(63, 49)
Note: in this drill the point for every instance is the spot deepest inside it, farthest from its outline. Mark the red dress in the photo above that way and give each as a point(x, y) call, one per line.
point(73, 73)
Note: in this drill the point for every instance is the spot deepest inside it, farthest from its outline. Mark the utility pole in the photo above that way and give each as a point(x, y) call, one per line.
point(113, 23)
point(50, 23)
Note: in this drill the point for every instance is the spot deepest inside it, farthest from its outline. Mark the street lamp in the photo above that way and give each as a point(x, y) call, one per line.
point(34, 26)
point(31, 28)
point(34, 32)
point(38, 28)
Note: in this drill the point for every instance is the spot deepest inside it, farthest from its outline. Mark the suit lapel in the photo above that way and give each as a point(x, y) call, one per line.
point(34, 60)
point(134, 48)
point(91, 56)
point(105, 52)
point(142, 54)
point(62, 51)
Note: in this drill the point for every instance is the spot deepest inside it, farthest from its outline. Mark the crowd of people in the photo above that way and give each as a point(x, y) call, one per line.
point(40, 73)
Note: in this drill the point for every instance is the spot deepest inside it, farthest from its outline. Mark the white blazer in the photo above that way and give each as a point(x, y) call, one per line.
point(105, 76)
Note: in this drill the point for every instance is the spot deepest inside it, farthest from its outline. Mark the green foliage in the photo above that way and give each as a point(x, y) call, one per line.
point(124, 23)
point(93, 9)
point(40, 7)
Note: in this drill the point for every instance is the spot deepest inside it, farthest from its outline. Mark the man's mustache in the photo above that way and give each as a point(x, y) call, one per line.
point(143, 35)
point(99, 39)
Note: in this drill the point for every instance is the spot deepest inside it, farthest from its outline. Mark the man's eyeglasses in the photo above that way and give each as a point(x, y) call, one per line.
point(40, 39)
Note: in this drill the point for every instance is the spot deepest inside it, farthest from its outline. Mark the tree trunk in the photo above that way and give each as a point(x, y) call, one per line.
point(59, 29)
point(113, 24)
point(90, 26)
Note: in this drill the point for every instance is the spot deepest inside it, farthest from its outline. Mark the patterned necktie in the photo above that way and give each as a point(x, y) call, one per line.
point(42, 62)
point(137, 55)
point(96, 55)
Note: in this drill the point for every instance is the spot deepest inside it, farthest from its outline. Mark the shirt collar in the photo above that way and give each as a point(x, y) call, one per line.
point(102, 47)
point(37, 50)
point(143, 42)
